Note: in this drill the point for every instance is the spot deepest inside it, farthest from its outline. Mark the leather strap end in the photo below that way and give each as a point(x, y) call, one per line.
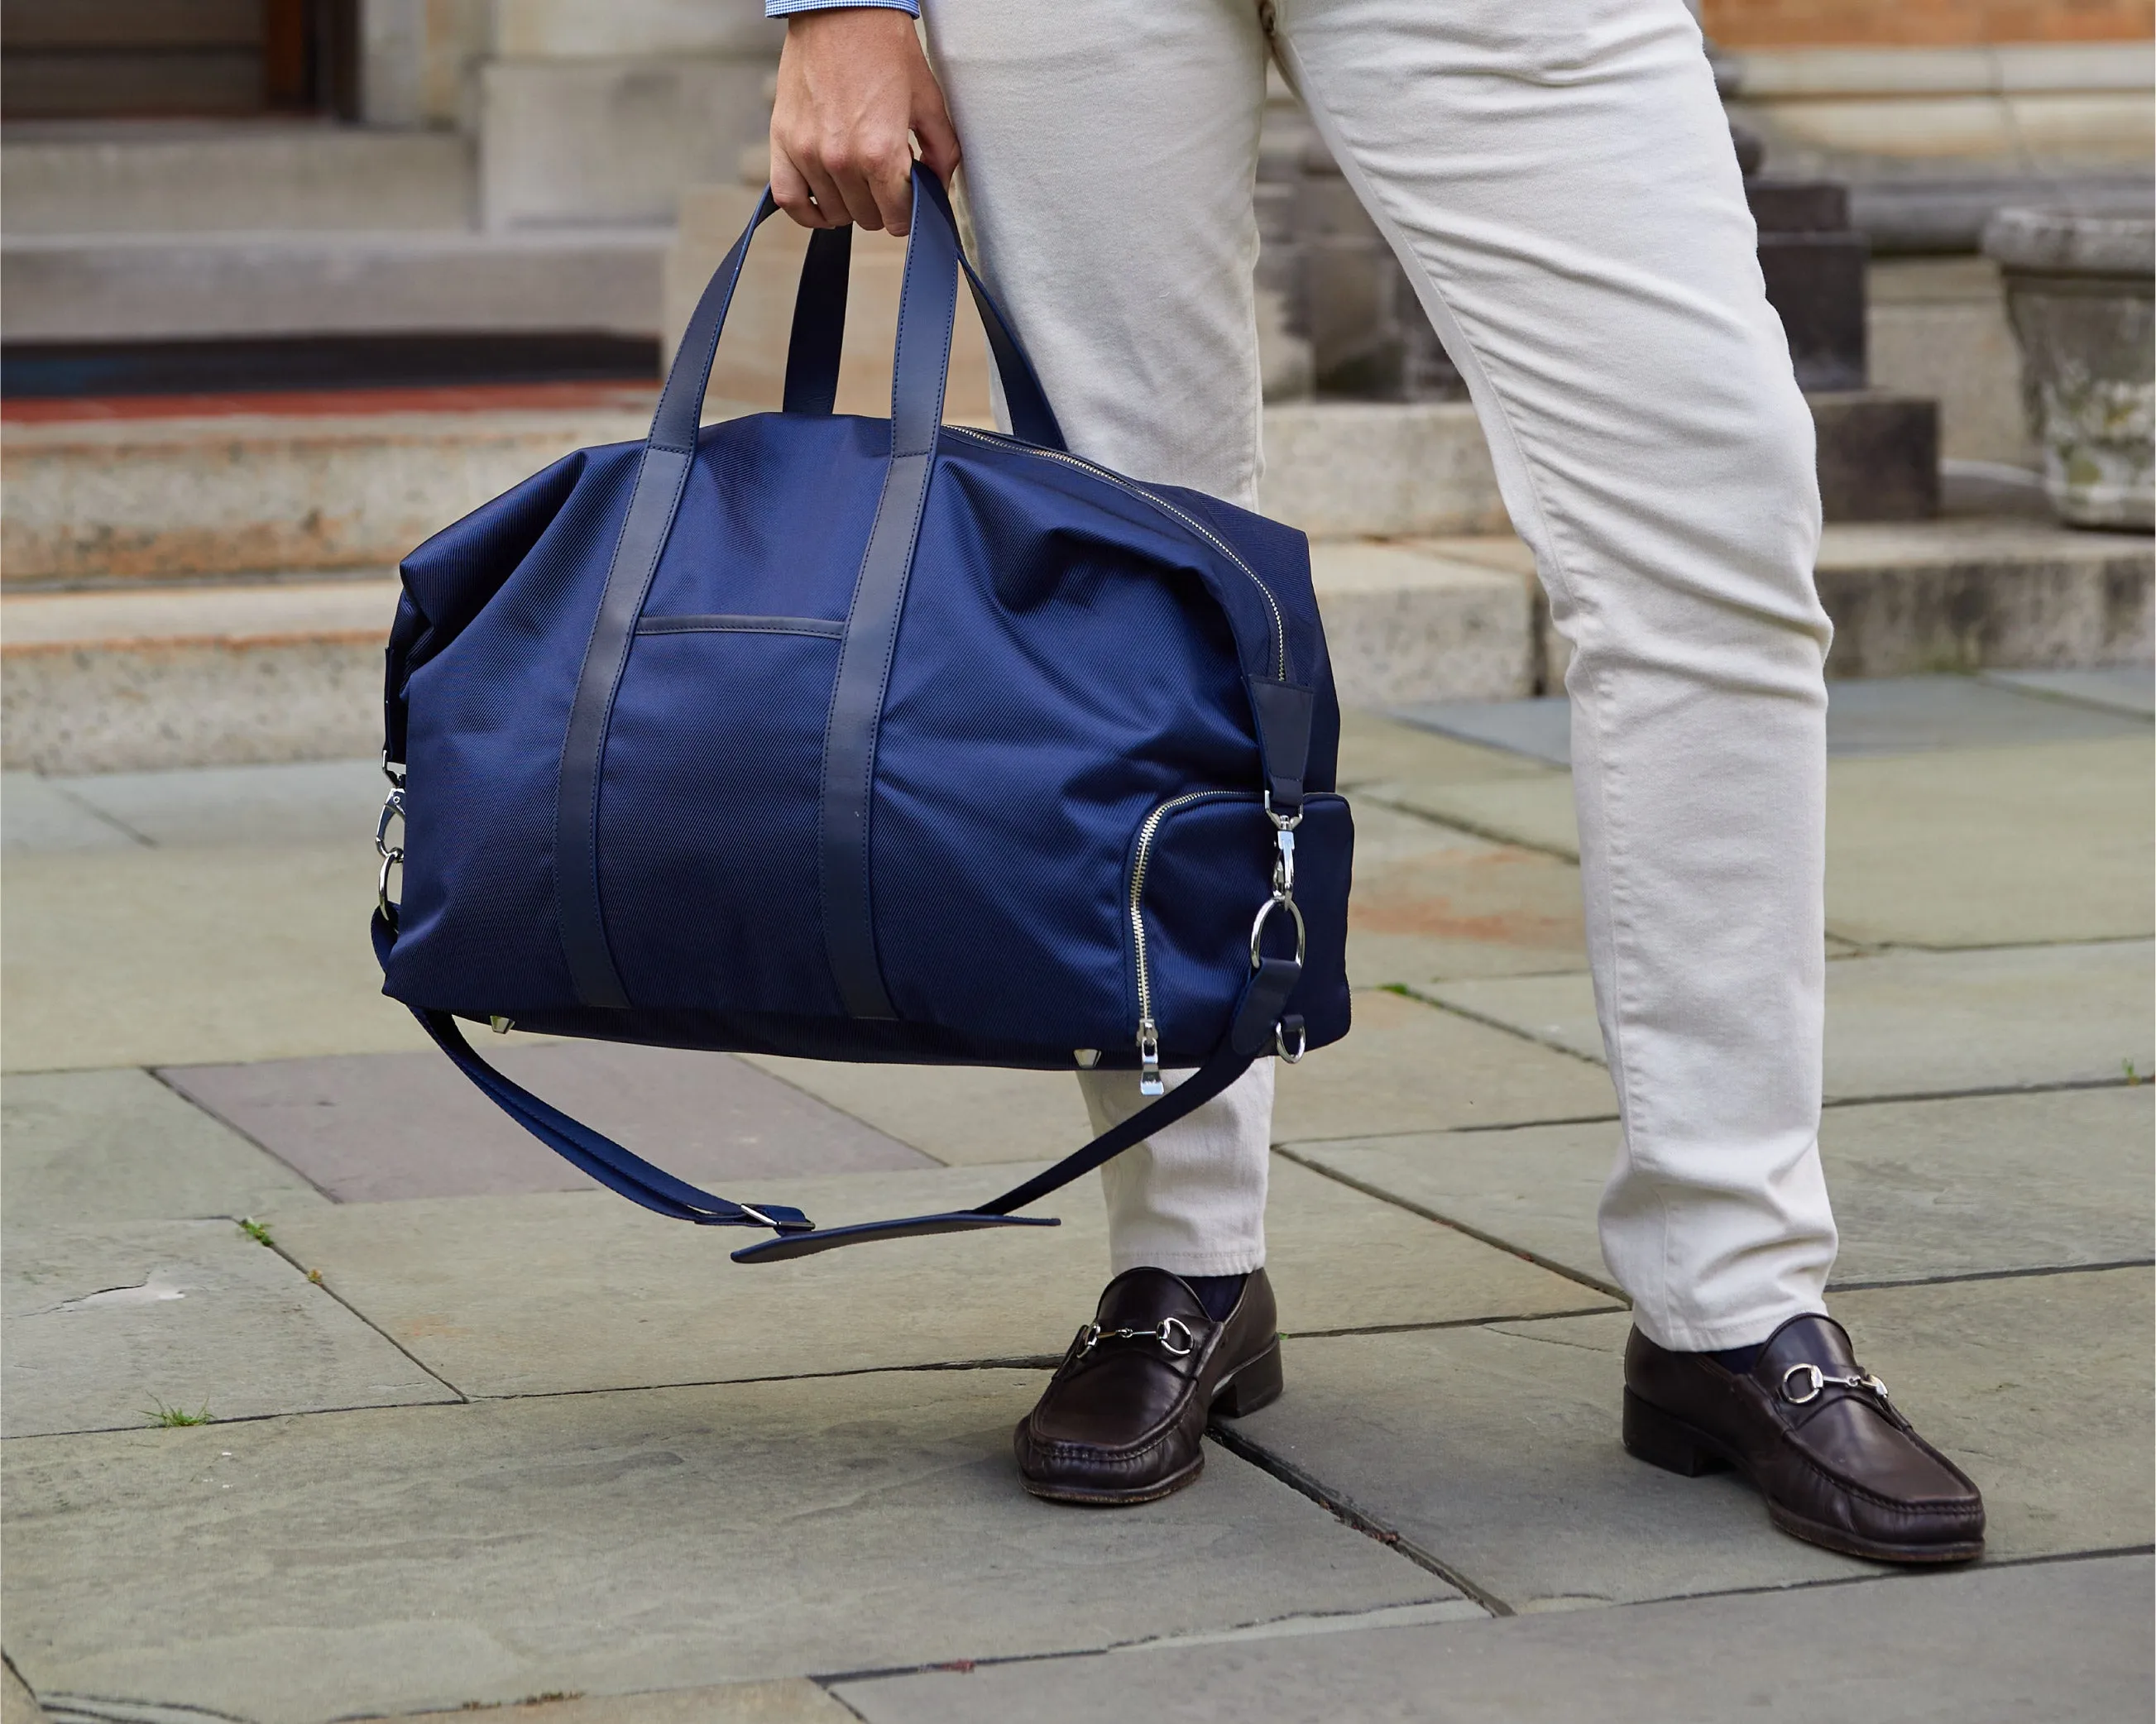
point(1264, 1002)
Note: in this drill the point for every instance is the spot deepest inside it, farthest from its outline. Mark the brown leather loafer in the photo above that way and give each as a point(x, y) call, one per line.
point(1816, 1435)
point(1123, 1419)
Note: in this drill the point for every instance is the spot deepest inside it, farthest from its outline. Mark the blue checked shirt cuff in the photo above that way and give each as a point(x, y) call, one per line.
point(781, 8)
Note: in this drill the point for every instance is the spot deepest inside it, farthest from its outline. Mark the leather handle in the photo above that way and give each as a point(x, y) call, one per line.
point(815, 349)
point(921, 359)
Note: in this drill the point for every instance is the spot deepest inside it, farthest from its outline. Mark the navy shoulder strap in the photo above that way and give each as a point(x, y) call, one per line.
point(1257, 1022)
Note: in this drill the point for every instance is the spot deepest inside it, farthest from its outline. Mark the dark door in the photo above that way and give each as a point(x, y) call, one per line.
point(81, 59)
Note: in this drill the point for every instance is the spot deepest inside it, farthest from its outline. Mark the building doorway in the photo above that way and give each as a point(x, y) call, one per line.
point(110, 60)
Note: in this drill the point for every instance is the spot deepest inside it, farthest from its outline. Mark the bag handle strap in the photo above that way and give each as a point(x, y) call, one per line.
point(1257, 1021)
point(819, 316)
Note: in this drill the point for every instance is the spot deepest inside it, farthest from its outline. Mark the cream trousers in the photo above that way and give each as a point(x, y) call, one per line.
point(1557, 177)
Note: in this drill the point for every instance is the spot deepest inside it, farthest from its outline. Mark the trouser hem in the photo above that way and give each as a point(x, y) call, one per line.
point(1190, 1263)
point(1700, 1337)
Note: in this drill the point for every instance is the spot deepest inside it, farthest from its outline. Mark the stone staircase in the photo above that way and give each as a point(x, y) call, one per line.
point(194, 230)
point(207, 581)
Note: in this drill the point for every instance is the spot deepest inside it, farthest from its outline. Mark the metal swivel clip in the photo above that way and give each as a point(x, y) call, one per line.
point(1283, 898)
point(393, 855)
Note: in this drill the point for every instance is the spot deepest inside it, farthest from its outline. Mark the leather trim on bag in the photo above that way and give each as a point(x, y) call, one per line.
point(661, 474)
point(659, 480)
point(927, 302)
point(825, 627)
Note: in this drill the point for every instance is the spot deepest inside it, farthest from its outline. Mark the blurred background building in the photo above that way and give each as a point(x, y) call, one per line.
point(286, 286)
point(311, 186)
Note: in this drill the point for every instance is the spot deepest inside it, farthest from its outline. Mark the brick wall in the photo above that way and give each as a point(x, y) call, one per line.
point(1922, 23)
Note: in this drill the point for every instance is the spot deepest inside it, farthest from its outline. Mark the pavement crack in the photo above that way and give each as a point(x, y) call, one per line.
point(1488, 1022)
point(1609, 1288)
point(1992, 1274)
point(155, 1290)
point(1446, 1323)
point(103, 816)
point(315, 1279)
point(1348, 1514)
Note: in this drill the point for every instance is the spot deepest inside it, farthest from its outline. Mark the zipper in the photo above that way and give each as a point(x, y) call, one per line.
point(1166, 508)
point(1149, 1079)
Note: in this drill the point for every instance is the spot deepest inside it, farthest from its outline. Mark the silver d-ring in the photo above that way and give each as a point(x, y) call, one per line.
point(1302, 1043)
point(1811, 1394)
point(1168, 1344)
point(390, 859)
point(1258, 927)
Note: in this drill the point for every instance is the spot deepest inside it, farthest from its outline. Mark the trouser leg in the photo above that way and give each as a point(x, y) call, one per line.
point(1558, 180)
point(1111, 153)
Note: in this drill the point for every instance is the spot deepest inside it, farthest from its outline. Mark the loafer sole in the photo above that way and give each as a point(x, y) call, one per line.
point(1257, 1383)
point(1663, 1439)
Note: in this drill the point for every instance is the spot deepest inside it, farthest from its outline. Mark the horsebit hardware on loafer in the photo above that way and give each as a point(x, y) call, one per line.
point(1819, 1382)
point(1094, 1334)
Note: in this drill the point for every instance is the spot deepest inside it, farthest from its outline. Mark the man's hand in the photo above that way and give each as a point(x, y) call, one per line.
point(852, 83)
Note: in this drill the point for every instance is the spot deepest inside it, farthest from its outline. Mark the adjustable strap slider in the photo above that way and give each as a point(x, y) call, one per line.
point(779, 1218)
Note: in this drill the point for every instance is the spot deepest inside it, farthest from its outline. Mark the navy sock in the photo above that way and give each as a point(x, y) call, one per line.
point(1739, 1359)
point(1217, 1294)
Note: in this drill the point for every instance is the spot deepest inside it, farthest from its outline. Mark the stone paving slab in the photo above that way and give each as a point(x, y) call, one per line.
point(329, 802)
point(2117, 687)
point(576, 1291)
point(1497, 1450)
point(1989, 1646)
point(18, 1705)
point(958, 1115)
point(788, 1700)
point(118, 1145)
point(1405, 1067)
point(1951, 847)
point(1408, 1067)
point(1921, 1189)
point(194, 957)
point(1888, 715)
point(1994, 846)
point(1430, 901)
point(389, 1561)
point(1536, 811)
point(36, 815)
point(103, 1323)
point(1375, 749)
point(372, 1127)
point(1915, 1022)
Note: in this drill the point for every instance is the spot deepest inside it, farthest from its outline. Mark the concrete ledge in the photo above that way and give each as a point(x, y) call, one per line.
point(190, 175)
point(167, 675)
point(95, 501)
point(1970, 595)
point(1403, 625)
point(80, 287)
point(111, 682)
point(1340, 470)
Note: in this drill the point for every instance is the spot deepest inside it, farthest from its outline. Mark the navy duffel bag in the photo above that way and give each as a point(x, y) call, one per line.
point(855, 739)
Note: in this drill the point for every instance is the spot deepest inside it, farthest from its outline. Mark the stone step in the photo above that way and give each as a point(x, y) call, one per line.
point(148, 286)
point(143, 676)
point(147, 676)
point(226, 488)
point(181, 176)
point(131, 680)
point(1964, 594)
point(146, 489)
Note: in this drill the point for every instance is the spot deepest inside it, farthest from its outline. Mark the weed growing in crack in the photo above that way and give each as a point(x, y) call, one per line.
point(161, 1414)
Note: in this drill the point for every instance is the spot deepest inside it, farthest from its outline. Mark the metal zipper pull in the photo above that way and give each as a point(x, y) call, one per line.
point(1149, 1078)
